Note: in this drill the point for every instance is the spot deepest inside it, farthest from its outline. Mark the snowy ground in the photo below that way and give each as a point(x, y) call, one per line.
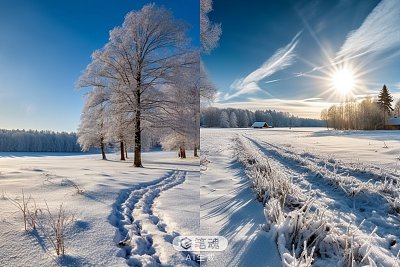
point(125, 215)
point(228, 206)
point(351, 178)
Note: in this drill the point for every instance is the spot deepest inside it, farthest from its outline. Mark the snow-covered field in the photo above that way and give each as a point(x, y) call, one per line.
point(123, 215)
point(329, 193)
point(277, 195)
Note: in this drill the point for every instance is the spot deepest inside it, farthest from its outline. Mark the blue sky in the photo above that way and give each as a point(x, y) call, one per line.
point(44, 46)
point(290, 55)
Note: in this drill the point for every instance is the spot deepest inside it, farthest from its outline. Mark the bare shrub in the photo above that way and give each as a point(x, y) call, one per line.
point(22, 207)
point(33, 213)
point(54, 226)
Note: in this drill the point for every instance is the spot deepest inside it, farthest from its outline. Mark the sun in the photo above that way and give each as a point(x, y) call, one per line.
point(343, 81)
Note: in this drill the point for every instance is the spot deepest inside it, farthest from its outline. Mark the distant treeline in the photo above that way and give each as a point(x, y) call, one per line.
point(37, 141)
point(242, 118)
point(368, 114)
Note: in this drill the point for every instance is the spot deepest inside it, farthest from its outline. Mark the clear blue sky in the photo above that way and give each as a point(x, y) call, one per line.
point(44, 46)
point(279, 54)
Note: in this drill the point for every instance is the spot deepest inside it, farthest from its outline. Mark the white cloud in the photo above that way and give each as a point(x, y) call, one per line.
point(280, 60)
point(379, 32)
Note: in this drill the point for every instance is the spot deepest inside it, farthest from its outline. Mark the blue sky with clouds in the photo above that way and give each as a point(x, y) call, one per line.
point(44, 46)
point(283, 54)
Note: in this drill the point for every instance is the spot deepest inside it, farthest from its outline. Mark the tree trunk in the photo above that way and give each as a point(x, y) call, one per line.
point(137, 162)
point(195, 151)
point(384, 119)
point(126, 152)
point(103, 153)
point(182, 153)
point(122, 150)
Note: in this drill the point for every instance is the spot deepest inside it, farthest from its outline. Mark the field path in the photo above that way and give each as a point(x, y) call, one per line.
point(141, 234)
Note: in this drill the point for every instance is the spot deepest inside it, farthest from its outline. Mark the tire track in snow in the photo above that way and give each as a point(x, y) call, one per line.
point(354, 183)
point(363, 172)
point(140, 234)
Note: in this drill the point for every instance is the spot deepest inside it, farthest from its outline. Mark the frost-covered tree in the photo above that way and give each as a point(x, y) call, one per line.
point(210, 32)
point(92, 129)
point(325, 117)
point(120, 125)
point(233, 120)
point(244, 120)
point(207, 88)
point(364, 115)
point(224, 120)
point(182, 112)
point(139, 57)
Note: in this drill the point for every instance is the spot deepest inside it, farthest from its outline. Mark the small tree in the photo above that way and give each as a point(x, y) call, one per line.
point(325, 117)
point(92, 129)
point(233, 120)
point(385, 100)
point(397, 108)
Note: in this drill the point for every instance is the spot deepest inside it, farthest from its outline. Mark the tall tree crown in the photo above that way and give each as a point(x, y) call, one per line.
point(385, 100)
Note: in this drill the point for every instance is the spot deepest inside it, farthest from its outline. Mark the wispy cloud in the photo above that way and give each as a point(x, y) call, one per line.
point(379, 32)
point(280, 60)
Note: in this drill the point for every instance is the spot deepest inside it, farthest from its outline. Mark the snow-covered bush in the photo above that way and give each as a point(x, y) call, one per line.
point(304, 231)
point(267, 181)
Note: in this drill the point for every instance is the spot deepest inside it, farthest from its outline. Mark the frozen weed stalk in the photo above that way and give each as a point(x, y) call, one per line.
point(22, 206)
point(54, 227)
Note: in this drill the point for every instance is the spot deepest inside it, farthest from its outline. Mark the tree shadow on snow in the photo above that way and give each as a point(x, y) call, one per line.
point(243, 215)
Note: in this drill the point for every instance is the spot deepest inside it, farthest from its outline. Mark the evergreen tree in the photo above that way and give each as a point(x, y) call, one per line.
point(385, 100)
point(233, 120)
point(224, 120)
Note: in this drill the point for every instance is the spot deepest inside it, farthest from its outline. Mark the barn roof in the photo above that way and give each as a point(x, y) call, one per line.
point(393, 121)
point(259, 124)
